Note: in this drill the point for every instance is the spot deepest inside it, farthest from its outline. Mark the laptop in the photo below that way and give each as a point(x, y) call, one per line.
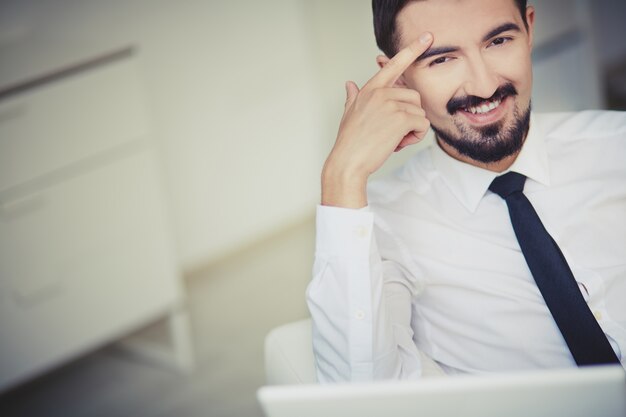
point(579, 392)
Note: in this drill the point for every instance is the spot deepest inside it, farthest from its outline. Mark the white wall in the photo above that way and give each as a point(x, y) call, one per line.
point(235, 108)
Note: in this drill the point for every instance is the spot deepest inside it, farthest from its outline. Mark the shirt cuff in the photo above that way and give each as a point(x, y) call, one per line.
point(343, 232)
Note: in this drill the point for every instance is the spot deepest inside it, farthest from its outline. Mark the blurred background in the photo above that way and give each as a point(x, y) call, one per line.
point(159, 172)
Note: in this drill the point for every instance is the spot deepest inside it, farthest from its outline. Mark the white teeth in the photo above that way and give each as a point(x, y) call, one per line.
point(484, 108)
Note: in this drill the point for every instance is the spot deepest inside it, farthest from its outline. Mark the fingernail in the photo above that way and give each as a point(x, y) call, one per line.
point(425, 37)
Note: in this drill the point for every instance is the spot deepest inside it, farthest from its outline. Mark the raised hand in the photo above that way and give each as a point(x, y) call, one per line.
point(379, 119)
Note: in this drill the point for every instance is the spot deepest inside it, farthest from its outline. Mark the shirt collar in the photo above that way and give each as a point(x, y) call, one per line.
point(469, 183)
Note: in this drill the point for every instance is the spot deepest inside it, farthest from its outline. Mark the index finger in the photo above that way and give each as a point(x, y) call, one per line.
point(401, 61)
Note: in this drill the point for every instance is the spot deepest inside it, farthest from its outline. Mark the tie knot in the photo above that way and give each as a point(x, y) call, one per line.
point(507, 184)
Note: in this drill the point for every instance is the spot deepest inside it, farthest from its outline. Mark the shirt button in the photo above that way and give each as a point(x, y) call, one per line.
point(598, 315)
point(359, 314)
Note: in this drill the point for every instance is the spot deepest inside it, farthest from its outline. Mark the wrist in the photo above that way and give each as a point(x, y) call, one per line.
point(342, 187)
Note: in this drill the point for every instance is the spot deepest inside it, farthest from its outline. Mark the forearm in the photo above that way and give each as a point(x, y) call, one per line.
point(361, 325)
point(357, 334)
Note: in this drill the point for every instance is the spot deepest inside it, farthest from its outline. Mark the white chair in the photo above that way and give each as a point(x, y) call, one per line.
point(289, 356)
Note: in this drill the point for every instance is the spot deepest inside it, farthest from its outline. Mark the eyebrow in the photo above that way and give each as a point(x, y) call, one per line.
point(440, 50)
point(436, 51)
point(502, 28)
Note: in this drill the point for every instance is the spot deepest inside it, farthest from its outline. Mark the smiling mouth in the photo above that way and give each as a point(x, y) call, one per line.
point(480, 106)
point(485, 107)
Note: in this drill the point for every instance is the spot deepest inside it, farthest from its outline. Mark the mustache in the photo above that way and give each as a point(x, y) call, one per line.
point(459, 103)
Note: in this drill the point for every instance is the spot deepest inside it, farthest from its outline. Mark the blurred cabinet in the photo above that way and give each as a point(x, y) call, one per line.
point(85, 251)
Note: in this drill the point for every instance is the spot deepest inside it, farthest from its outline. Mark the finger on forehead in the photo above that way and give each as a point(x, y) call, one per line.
point(401, 61)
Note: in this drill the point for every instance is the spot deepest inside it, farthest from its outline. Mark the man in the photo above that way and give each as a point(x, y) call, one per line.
point(429, 259)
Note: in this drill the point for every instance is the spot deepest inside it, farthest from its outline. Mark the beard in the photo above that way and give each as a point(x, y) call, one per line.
point(490, 143)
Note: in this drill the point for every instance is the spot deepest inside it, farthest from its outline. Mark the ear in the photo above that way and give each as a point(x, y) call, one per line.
point(530, 20)
point(382, 60)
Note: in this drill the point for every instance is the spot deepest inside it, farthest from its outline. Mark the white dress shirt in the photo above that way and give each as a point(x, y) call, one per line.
point(433, 263)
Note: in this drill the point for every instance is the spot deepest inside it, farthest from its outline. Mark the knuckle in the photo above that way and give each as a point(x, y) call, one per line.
point(405, 118)
point(416, 97)
point(378, 94)
point(395, 106)
point(420, 123)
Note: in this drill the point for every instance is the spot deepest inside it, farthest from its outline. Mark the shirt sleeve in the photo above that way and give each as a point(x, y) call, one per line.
point(360, 304)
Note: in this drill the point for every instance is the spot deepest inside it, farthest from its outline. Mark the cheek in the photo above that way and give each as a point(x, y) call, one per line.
point(517, 68)
point(435, 94)
point(435, 110)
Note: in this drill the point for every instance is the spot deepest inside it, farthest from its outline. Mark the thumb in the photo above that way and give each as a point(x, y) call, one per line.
point(351, 92)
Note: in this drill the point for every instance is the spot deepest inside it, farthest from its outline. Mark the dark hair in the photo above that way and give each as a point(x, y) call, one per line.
point(385, 13)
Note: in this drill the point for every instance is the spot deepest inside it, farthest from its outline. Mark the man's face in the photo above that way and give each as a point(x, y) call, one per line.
point(475, 80)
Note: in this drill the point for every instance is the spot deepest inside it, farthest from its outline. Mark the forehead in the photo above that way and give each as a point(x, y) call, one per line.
point(453, 22)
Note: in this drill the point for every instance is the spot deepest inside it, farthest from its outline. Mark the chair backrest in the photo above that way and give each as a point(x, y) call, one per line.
point(289, 354)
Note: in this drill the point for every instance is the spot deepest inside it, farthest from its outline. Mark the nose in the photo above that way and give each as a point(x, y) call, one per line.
point(481, 80)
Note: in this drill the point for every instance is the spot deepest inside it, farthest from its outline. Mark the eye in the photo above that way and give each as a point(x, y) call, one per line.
point(500, 41)
point(439, 61)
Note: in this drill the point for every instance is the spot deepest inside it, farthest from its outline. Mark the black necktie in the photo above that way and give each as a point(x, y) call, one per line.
point(554, 278)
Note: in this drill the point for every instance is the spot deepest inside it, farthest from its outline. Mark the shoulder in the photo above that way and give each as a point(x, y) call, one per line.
point(587, 124)
point(592, 141)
